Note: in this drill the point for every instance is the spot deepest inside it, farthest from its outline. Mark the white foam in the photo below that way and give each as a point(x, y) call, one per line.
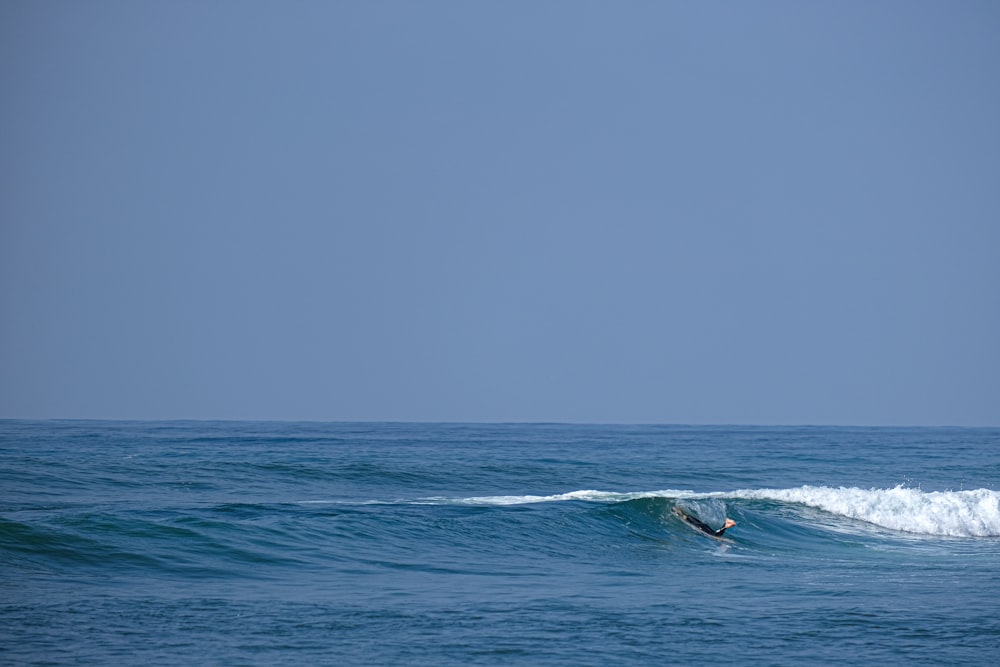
point(973, 513)
point(587, 495)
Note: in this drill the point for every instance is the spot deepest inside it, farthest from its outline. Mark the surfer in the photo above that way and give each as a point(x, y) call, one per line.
point(702, 526)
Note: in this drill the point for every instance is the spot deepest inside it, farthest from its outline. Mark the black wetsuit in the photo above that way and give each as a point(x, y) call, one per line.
point(701, 525)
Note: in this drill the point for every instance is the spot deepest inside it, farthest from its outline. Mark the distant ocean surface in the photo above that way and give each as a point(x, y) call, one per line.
point(237, 543)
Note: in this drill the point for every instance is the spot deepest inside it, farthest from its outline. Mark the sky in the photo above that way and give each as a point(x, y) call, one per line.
point(564, 210)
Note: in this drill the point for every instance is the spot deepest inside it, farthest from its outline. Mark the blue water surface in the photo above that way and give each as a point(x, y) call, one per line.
point(234, 543)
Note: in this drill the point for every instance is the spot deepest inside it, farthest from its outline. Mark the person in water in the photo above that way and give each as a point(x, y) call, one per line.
point(702, 526)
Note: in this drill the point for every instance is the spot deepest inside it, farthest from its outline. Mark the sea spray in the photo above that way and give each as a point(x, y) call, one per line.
point(974, 513)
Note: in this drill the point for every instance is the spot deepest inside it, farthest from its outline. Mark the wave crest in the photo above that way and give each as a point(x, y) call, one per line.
point(587, 494)
point(974, 513)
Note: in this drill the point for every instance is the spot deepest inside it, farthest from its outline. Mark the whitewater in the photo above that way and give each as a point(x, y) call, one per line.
point(974, 513)
point(263, 543)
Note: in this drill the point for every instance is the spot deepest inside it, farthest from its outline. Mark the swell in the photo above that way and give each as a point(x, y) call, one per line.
point(486, 535)
point(972, 513)
point(226, 540)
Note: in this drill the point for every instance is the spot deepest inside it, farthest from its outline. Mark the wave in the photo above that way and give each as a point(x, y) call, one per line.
point(973, 513)
point(588, 495)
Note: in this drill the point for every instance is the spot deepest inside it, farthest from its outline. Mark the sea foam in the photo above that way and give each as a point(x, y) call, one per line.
point(586, 494)
point(974, 513)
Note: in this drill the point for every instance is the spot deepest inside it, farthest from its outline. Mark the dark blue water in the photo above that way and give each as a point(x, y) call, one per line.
point(390, 544)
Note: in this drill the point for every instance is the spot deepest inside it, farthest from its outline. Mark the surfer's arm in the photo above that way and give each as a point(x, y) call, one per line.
point(729, 524)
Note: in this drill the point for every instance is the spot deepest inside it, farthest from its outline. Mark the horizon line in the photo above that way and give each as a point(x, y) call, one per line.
point(494, 422)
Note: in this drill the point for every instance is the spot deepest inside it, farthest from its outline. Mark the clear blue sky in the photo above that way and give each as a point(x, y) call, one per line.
point(718, 212)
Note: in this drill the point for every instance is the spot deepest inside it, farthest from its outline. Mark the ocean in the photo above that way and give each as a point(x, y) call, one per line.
point(268, 543)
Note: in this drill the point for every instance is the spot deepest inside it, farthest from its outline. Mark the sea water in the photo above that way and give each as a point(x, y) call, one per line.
point(231, 543)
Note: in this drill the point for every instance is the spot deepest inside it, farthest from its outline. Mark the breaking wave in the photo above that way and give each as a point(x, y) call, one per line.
point(972, 513)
